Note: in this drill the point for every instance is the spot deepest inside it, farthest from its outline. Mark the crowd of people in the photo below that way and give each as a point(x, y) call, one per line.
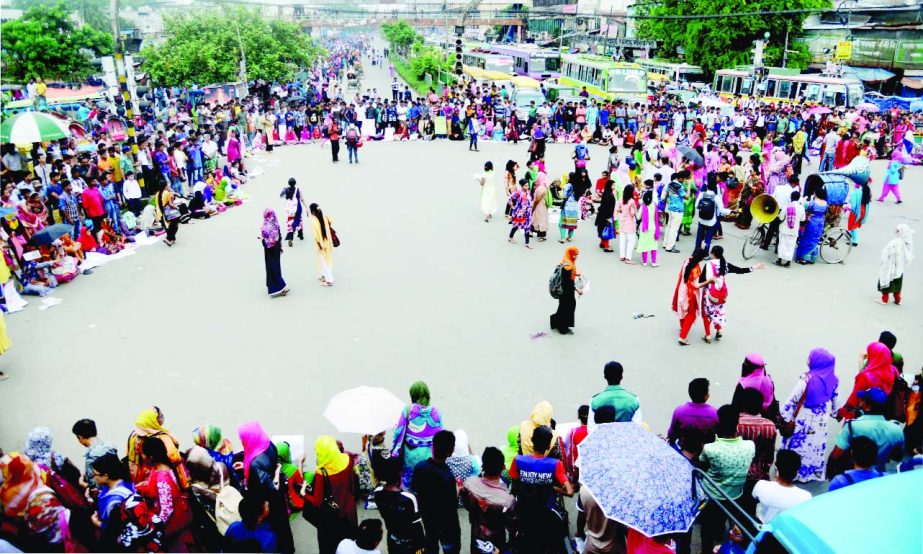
point(668, 168)
point(160, 492)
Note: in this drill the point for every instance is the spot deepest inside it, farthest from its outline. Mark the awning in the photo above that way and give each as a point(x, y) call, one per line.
point(869, 73)
point(912, 83)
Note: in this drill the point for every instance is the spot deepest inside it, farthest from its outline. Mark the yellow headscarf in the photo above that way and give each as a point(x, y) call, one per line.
point(329, 456)
point(541, 416)
point(147, 423)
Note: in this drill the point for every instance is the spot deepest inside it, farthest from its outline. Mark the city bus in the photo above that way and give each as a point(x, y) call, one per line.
point(605, 79)
point(658, 70)
point(531, 61)
point(488, 62)
point(778, 87)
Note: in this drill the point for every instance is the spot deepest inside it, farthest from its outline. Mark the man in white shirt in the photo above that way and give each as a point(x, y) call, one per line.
point(367, 540)
point(830, 141)
point(788, 229)
point(780, 494)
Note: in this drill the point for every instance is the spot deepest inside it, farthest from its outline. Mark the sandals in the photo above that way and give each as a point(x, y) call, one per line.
point(683, 342)
point(707, 339)
point(718, 335)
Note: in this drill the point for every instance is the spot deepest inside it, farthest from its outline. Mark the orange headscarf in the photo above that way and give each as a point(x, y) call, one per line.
point(570, 260)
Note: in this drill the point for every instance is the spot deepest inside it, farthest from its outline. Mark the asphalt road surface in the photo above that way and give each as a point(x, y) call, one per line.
point(424, 290)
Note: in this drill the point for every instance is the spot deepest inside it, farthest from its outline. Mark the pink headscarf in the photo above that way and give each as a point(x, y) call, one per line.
point(255, 441)
point(758, 379)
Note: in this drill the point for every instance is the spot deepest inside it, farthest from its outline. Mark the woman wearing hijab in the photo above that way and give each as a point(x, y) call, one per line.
point(462, 463)
point(879, 372)
point(540, 417)
point(686, 294)
point(414, 432)
point(260, 462)
point(272, 252)
point(604, 216)
point(206, 477)
point(754, 376)
point(811, 404)
point(323, 243)
point(563, 319)
point(166, 498)
point(895, 257)
point(570, 213)
point(38, 449)
point(149, 423)
point(334, 478)
point(30, 508)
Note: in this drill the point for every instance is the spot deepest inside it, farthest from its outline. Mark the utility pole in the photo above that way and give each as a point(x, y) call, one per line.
point(121, 73)
point(785, 50)
point(243, 56)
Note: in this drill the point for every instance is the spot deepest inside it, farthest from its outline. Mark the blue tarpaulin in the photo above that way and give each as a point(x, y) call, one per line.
point(869, 73)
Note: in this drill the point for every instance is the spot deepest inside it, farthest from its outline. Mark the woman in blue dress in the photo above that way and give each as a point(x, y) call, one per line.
point(414, 432)
point(570, 214)
point(816, 211)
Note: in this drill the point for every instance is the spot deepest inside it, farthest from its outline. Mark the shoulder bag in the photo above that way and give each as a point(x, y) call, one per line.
point(333, 235)
point(227, 502)
point(328, 514)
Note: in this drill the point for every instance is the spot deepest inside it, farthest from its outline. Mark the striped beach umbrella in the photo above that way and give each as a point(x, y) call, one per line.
point(29, 127)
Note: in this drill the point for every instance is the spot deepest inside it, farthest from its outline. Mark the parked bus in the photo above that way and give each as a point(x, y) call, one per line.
point(797, 88)
point(488, 62)
point(658, 70)
point(531, 61)
point(605, 79)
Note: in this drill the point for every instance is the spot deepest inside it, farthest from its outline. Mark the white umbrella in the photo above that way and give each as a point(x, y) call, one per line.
point(29, 127)
point(363, 410)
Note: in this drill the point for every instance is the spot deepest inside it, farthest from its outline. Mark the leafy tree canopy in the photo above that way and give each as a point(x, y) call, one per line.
point(726, 42)
point(202, 48)
point(45, 43)
point(94, 13)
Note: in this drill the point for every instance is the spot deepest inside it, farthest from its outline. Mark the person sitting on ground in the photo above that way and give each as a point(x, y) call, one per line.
point(781, 493)
point(252, 533)
point(366, 542)
point(864, 455)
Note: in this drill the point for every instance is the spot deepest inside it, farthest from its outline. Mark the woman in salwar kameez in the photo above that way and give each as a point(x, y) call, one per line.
point(294, 210)
point(714, 293)
point(570, 214)
point(815, 212)
point(859, 200)
point(540, 206)
point(819, 388)
point(323, 244)
point(488, 182)
point(521, 211)
point(272, 253)
point(414, 432)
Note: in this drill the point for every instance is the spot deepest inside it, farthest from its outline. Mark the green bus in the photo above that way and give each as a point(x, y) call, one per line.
point(604, 78)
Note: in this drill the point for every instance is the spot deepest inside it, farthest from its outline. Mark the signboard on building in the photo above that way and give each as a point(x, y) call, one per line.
point(843, 50)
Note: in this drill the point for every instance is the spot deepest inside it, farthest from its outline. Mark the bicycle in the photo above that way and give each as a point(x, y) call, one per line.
point(753, 242)
point(835, 245)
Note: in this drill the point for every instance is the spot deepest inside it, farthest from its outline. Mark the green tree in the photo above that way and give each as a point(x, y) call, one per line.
point(400, 36)
point(718, 43)
point(202, 47)
point(429, 60)
point(45, 43)
point(94, 13)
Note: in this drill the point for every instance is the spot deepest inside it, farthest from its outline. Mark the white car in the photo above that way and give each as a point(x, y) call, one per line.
point(522, 99)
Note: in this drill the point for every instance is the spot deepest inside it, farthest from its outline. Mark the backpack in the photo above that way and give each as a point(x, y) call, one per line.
point(352, 136)
point(581, 152)
point(227, 502)
point(717, 295)
point(896, 406)
point(707, 207)
point(69, 495)
point(556, 283)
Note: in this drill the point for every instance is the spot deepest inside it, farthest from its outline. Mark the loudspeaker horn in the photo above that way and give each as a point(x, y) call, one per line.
point(764, 208)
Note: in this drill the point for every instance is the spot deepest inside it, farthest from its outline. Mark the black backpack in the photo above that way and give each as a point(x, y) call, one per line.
point(707, 207)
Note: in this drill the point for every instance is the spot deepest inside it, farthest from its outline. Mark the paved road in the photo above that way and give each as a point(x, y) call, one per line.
point(425, 289)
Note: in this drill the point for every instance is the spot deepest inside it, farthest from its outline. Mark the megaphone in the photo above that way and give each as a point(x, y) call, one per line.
point(858, 170)
point(764, 208)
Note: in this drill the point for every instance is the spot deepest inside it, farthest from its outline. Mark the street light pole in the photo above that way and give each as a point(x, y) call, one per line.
point(121, 73)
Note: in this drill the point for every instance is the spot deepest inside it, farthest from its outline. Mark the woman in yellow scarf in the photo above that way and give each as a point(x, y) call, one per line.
point(149, 424)
point(335, 480)
point(540, 417)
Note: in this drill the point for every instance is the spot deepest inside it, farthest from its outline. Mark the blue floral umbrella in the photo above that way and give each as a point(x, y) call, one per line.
point(637, 479)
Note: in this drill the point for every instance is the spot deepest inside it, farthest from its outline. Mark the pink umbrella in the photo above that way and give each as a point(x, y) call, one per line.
point(867, 106)
point(819, 110)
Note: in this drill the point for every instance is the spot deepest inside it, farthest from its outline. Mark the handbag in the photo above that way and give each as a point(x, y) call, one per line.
point(787, 428)
point(69, 495)
point(608, 232)
point(334, 238)
point(328, 513)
